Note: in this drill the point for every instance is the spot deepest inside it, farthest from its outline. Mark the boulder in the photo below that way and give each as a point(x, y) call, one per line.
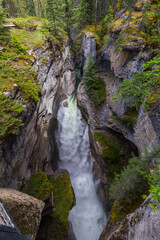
point(57, 192)
point(24, 209)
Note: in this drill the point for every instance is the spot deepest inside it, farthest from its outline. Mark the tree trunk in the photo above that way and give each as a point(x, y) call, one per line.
point(39, 12)
point(96, 14)
point(34, 8)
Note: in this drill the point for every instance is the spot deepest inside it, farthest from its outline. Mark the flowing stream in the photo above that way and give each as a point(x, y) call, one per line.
point(87, 217)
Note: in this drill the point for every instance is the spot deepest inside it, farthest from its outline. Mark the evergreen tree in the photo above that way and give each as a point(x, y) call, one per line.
point(53, 12)
point(62, 15)
point(4, 31)
point(83, 15)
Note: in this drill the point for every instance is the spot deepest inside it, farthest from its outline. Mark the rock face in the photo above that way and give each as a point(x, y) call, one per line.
point(24, 209)
point(142, 224)
point(32, 150)
point(113, 67)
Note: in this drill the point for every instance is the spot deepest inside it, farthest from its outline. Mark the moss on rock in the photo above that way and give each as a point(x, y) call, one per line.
point(64, 200)
point(110, 150)
point(39, 186)
point(59, 186)
point(25, 210)
point(120, 210)
point(63, 197)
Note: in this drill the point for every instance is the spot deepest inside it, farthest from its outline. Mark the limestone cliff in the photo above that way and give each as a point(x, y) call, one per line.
point(33, 149)
point(113, 67)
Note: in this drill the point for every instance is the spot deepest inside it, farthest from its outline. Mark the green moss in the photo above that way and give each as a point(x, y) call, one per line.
point(120, 210)
point(9, 121)
point(110, 150)
point(63, 197)
point(39, 186)
point(15, 74)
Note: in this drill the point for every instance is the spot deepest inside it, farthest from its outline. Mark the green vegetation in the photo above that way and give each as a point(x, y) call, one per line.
point(28, 24)
point(109, 149)
point(29, 39)
point(120, 210)
point(143, 87)
point(16, 45)
point(153, 178)
point(42, 187)
point(16, 74)
point(39, 186)
point(129, 119)
point(95, 87)
point(124, 189)
point(9, 111)
point(4, 31)
point(111, 152)
point(151, 22)
point(63, 197)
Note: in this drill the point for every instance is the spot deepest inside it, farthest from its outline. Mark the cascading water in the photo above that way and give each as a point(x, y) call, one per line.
point(87, 217)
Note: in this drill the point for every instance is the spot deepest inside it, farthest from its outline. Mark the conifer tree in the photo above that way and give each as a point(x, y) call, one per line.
point(62, 15)
point(4, 31)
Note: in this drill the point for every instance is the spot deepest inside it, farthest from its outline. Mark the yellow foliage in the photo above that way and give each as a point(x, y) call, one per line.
point(139, 3)
point(126, 13)
point(117, 7)
point(136, 15)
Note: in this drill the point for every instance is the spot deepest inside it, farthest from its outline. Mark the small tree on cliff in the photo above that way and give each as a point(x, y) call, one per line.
point(95, 86)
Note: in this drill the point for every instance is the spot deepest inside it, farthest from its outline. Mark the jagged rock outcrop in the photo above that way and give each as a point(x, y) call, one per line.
point(142, 224)
point(31, 150)
point(112, 68)
point(24, 209)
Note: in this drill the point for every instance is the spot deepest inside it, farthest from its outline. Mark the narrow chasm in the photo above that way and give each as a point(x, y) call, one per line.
point(87, 217)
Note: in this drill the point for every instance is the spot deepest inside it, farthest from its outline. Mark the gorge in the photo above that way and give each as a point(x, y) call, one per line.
point(77, 143)
point(87, 217)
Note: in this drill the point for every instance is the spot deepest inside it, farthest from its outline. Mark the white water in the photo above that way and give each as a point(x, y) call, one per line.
point(87, 216)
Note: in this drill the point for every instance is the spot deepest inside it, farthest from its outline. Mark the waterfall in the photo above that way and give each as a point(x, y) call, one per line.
point(87, 217)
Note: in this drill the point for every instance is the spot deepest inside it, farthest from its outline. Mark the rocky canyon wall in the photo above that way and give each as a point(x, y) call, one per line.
point(32, 150)
point(113, 67)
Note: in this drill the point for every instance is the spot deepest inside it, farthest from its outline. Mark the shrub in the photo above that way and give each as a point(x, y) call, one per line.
point(143, 87)
point(15, 44)
point(26, 24)
point(9, 121)
point(24, 77)
point(124, 188)
point(126, 120)
point(153, 179)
